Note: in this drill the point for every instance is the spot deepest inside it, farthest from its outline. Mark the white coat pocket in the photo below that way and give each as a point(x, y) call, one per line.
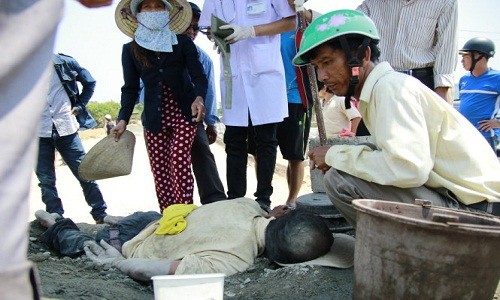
point(265, 58)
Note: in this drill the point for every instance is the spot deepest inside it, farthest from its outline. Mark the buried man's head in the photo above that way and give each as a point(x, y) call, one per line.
point(297, 237)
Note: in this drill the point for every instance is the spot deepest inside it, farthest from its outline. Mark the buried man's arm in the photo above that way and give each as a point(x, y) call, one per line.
point(141, 269)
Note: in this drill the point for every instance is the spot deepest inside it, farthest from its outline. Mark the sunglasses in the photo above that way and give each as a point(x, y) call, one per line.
point(204, 29)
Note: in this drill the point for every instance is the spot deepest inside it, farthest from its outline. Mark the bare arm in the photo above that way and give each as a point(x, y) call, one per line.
point(137, 268)
point(276, 27)
point(354, 124)
point(487, 125)
point(143, 269)
point(245, 32)
point(442, 91)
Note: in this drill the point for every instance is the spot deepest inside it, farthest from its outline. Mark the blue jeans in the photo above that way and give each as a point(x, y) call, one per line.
point(71, 149)
point(67, 239)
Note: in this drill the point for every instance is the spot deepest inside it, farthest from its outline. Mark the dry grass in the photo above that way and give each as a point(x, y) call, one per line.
point(95, 133)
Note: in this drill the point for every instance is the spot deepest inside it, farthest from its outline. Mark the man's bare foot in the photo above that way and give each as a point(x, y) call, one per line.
point(47, 219)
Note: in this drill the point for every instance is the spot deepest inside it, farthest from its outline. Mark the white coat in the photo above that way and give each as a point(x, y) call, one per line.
point(258, 76)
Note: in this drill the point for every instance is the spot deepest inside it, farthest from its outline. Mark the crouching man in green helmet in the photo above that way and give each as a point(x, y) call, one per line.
point(422, 147)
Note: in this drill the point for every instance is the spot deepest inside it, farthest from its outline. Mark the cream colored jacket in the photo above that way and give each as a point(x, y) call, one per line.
point(421, 140)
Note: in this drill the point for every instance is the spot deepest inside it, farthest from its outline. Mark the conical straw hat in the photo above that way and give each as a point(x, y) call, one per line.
point(180, 17)
point(108, 158)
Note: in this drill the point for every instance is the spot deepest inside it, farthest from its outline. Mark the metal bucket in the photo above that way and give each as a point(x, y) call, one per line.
point(406, 251)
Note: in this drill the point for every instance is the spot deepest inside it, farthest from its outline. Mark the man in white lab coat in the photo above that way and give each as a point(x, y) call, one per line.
point(258, 100)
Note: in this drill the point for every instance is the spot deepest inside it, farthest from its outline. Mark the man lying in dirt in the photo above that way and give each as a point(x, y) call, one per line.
point(221, 237)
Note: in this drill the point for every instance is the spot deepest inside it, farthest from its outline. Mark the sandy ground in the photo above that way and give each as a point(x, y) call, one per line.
point(66, 278)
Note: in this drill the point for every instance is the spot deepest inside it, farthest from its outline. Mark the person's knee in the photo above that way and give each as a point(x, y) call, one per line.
point(333, 183)
point(266, 140)
point(296, 163)
point(340, 194)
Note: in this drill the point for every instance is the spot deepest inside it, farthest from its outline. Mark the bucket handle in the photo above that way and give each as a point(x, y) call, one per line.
point(474, 226)
point(454, 221)
point(423, 203)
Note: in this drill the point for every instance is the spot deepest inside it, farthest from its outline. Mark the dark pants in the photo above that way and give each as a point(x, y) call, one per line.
point(266, 143)
point(210, 187)
point(425, 75)
point(67, 239)
point(494, 141)
point(71, 149)
point(428, 80)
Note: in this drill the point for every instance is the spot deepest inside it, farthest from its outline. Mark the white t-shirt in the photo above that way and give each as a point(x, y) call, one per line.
point(336, 116)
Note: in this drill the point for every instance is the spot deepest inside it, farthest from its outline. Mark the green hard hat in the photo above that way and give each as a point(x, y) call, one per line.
point(332, 25)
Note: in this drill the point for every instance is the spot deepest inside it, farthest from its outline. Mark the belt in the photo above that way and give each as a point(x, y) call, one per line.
point(489, 207)
point(420, 72)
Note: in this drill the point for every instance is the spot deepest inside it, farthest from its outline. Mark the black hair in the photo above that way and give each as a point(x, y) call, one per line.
point(196, 10)
point(296, 237)
point(353, 40)
point(141, 54)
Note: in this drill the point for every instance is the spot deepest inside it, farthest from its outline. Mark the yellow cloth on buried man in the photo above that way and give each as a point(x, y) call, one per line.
point(173, 220)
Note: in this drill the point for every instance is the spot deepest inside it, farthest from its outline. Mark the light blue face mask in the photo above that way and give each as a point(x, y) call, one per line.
point(153, 32)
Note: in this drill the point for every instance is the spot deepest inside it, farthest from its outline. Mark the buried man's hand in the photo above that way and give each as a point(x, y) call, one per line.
point(279, 211)
point(102, 255)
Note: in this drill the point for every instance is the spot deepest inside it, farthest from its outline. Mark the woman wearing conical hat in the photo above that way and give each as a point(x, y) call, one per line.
point(174, 90)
